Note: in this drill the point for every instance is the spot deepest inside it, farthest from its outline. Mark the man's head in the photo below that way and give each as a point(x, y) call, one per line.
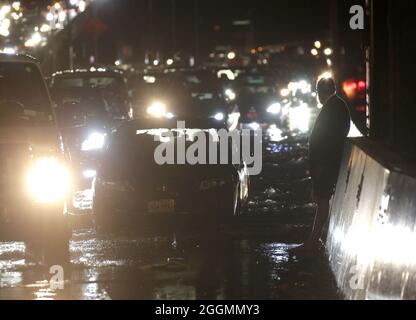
point(325, 88)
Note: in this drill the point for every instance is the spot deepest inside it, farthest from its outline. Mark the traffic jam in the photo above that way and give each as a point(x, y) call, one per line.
point(175, 178)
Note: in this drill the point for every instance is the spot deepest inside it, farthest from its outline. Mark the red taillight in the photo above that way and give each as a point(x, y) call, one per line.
point(352, 88)
point(360, 108)
point(361, 85)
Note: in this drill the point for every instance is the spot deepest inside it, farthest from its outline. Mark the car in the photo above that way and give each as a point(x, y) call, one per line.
point(182, 94)
point(131, 189)
point(89, 104)
point(35, 181)
point(257, 98)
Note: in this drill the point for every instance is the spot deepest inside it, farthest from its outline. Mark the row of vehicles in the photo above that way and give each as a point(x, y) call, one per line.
point(80, 132)
point(98, 128)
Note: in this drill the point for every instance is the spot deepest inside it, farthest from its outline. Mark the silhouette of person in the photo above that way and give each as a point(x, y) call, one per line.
point(326, 145)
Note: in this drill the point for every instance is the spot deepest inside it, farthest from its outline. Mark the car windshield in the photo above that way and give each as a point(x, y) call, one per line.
point(96, 94)
point(23, 95)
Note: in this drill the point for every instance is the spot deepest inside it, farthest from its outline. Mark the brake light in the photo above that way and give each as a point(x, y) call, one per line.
point(361, 85)
point(352, 88)
point(252, 114)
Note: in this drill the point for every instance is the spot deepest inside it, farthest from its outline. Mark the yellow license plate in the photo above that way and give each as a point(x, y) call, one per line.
point(161, 206)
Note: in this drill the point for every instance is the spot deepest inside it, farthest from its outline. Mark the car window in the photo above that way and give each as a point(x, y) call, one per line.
point(23, 95)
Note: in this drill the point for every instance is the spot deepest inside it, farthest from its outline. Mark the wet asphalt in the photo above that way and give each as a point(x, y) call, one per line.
point(249, 260)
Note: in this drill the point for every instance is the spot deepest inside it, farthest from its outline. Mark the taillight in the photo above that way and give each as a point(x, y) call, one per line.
point(361, 86)
point(252, 114)
point(353, 88)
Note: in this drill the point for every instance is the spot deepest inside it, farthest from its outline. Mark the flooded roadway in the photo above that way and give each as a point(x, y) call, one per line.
point(248, 261)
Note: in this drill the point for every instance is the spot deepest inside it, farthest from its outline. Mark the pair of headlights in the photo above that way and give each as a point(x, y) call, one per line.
point(159, 110)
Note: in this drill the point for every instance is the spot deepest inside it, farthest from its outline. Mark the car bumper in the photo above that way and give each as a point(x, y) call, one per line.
point(189, 206)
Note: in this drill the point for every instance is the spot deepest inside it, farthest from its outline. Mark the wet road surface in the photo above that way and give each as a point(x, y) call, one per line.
point(248, 261)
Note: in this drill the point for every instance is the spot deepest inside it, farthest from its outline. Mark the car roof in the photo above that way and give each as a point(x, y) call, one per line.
point(89, 72)
point(17, 58)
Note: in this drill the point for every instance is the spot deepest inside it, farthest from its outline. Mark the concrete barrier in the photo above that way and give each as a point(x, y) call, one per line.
point(371, 240)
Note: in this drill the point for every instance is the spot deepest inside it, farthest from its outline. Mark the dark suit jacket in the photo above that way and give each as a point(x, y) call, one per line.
point(327, 140)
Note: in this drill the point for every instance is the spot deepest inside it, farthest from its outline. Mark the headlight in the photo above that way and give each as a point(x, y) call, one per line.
point(274, 108)
point(219, 116)
point(206, 185)
point(48, 180)
point(299, 118)
point(89, 173)
point(284, 92)
point(94, 141)
point(230, 94)
point(254, 126)
point(157, 110)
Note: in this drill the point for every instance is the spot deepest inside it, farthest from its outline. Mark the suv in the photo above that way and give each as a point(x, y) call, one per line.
point(34, 180)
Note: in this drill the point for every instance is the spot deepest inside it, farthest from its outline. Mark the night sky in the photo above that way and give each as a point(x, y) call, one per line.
point(148, 24)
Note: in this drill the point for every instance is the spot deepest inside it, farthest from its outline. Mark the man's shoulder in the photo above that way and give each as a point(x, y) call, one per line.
point(337, 103)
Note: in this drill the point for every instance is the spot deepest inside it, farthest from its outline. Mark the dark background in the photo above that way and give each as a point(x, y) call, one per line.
point(154, 25)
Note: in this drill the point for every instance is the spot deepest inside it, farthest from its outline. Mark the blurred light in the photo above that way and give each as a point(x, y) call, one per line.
point(361, 85)
point(317, 44)
point(9, 50)
point(16, 16)
point(230, 94)
point(157, 109)
point(156, 62)
point(117, 63)
point(275, 134)
point(149, 79)
point(274, 108)
point(254, 125)
point(94, 141)
point(49, 16)
point(169, 62)
point(5, 9)
point(328, 51)
point(219, 116)
point(284, 92)
point(231, 55)
point(34, 40)
point(45, 28)
point(314, 52)
point(62, 16)
point(170, 115)
point(325, 75)
point(57, 5)
point(228, 73)
point(82, 5)
point(89, 173)
point(16, 5)
point(329, 62)
point(304, 86)
point(299, 118)
point(349, 87)
point(48, 181)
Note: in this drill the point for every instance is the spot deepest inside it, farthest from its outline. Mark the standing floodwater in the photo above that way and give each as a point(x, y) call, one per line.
point(248, 261)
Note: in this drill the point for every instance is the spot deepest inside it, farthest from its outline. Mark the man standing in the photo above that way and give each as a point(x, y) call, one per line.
point(326, 145)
